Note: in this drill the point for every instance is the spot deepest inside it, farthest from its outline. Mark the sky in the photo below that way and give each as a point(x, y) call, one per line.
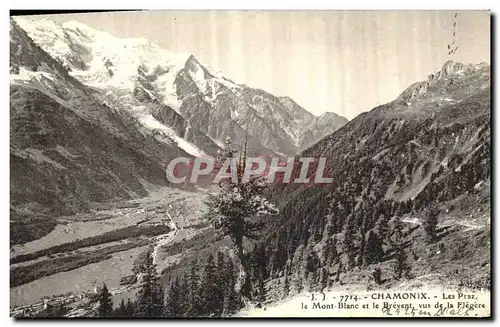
point(345, 62)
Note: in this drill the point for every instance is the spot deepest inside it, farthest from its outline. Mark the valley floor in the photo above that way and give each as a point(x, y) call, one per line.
point(177, 209)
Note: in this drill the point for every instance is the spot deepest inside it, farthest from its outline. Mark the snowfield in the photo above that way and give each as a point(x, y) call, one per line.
point(114, 66)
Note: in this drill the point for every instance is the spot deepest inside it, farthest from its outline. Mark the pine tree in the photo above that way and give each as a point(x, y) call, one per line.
point(150, 297)
point(261, 289)
point(220, 284)
point(129, 308)
point(121, 311)
point(105, 308)
point(53, 311)
point(261, 261)
point(349, 243)
point(231, 297)
point(330, 253)
point(401, 266)
point(286, 286)
point(194, 303)
point(173, 302)
point(377, 275)
point(339, 271)
point(299, 285)
point(362, 246)
point(208, 289)
point(373, 250)
point(312, 265)
point(232, 210)
point(330, 229)
point(383, 227)
point(184, 295)
point(324, 277)
point(397, 232)
point(318, 233)
point(430, 223)
point(313, 262)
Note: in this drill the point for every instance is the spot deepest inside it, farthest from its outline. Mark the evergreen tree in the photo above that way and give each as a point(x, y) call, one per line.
point(261, 261)
point(299, 285)
point(397, 232)
point(339, 271)
point(220, 284)
point(232, 210)
point(121, 311)
point(313, 262)
point(430, 223)
point(184, 295)
point(349, 243)
point(129, 308)
point(53, 311)
point(150, 297)
point(377, 275)
point(286, 286)
point(330, 253)
point(173, 302)
point(383, 227)
point(105, 308)
point(401, 266)
point(208, 289)
point(318, 233)
point(261, 289)
point(324, 277)
point(312, 266)
point(231, 297)
point(362, 246)
point(194, 303)
point(330, 229)
point(373, 250)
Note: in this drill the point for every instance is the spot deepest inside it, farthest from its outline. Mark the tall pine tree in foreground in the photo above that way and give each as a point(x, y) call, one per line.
point(232, 211)
point(105, 308)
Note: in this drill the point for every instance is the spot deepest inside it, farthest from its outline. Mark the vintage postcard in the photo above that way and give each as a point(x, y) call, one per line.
point(172, 164)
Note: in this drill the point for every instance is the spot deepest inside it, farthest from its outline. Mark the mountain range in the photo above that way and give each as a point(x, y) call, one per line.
point(175, 95)
point(96, 118)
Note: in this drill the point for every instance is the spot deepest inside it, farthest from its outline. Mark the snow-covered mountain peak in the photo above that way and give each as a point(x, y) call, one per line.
point(176, 89)
point(99, 58)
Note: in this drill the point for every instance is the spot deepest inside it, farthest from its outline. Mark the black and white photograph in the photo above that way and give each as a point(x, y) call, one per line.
point(250, 163)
